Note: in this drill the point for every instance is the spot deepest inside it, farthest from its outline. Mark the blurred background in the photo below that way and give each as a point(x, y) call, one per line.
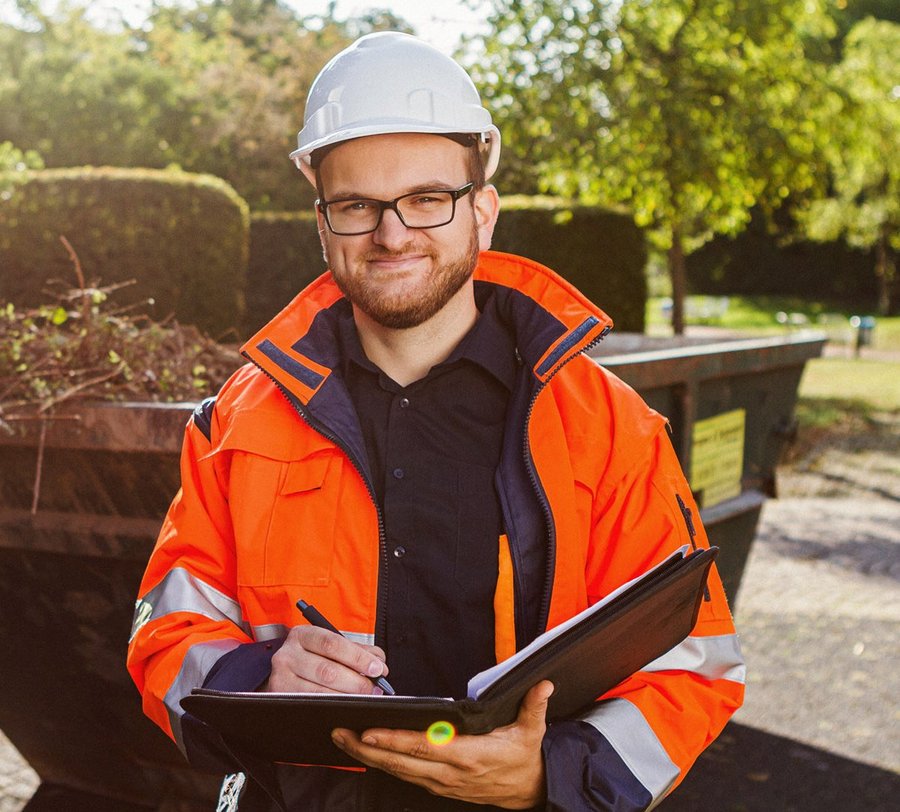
point(705, 170)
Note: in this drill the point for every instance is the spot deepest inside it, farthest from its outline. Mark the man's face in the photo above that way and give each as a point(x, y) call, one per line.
point(400, 277)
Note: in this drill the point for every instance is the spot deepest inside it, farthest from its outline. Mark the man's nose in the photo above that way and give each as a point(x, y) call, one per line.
point(391, 233)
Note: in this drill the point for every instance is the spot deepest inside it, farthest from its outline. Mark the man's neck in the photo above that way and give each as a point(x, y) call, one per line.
point(408, 355)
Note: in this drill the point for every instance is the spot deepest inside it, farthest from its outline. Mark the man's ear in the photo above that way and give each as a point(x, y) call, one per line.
point(308, 172)
point(487, 209)
point(322, 226)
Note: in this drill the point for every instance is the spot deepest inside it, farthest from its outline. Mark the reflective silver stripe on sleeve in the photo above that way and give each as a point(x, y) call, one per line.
point(359, 637)
point(717, 657)
point(180, 591)
point(630, 735)
point(269, 631)
point(198, 661)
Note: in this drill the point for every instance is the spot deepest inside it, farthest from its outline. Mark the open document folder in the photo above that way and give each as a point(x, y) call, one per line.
point(583, 657)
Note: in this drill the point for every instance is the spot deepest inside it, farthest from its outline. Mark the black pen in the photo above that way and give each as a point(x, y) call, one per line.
point(315, 617)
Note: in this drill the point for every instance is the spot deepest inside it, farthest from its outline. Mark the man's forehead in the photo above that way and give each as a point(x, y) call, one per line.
point(386, 160)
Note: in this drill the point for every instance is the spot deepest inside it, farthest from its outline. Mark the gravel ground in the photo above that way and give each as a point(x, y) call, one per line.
point(819, 617)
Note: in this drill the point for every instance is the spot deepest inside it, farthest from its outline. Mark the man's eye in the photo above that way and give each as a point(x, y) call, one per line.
point(426, 200)
point(355, 206)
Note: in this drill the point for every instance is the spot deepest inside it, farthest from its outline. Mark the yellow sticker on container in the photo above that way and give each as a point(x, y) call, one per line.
point(717, 457)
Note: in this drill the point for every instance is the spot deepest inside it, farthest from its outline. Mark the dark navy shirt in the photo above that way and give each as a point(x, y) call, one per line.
point(434, 447)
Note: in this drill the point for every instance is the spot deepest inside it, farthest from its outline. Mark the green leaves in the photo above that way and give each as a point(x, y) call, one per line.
point(211, 86)
point(863, 151)
point(52, 354)
point(689, 112)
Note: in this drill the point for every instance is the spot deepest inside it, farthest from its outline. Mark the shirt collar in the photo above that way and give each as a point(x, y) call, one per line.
point(489, 344)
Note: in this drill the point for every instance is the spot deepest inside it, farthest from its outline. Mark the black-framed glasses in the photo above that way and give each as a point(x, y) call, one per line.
point(348, 217)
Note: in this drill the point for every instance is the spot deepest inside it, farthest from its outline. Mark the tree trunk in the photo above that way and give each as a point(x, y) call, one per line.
point(678, 275)
point(884, 271)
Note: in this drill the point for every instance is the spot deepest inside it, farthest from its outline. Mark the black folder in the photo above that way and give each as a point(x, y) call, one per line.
point(584, 657)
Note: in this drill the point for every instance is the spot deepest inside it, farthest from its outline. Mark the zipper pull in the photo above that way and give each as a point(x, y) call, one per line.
point(689, 521)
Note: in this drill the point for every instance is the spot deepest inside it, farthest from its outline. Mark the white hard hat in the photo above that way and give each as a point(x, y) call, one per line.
point(390, 82)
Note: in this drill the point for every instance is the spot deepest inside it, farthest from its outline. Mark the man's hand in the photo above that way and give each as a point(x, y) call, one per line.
point(504, 767)
point(319, 661)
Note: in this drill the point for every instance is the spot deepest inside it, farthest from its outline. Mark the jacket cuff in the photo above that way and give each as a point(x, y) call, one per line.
point(584, 773)
point(244, 668)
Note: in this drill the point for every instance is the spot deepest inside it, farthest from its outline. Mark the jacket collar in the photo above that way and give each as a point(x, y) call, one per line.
point(551, 319)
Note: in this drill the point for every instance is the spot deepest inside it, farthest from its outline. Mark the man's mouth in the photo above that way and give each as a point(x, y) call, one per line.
point(395, 262)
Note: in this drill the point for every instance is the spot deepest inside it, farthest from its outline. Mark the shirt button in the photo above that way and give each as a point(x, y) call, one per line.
point(399, 551)
point(399, 473)
point(404, 403)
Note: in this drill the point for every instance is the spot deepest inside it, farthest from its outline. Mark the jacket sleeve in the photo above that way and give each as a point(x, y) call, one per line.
point(639, 740)
point(188, 628)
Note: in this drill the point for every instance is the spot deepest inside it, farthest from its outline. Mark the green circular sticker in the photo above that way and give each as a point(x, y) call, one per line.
point(441, 733)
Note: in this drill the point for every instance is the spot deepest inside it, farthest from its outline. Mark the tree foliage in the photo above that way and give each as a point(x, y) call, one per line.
point(691, 112)
point(215, 87)
point(863, 204)
point(13, 165)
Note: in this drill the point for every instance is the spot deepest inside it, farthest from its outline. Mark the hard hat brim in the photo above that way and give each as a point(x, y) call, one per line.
point(389, 127)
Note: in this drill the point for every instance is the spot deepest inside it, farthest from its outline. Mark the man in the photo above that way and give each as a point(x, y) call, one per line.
point(420, 447)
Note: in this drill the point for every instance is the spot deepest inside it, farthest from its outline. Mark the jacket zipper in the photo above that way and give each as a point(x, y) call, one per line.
point(692, 531)
point(381, 597)
point(547, 591)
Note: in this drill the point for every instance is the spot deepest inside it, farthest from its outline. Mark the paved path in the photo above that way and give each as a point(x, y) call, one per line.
point(819, 618)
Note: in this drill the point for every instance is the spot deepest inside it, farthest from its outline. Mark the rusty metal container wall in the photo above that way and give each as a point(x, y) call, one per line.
point(70, 574)
point(69, 569)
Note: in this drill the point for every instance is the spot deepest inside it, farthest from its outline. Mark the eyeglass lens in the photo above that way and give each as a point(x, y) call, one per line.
point(426, 209)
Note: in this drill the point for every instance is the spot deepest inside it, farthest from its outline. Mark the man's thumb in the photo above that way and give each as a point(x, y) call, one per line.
point(534, 705)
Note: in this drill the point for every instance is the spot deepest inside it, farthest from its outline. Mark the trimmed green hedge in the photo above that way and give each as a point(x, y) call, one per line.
point(183, 237)
point(758, 262)
point(285, 256)
point(600, 251)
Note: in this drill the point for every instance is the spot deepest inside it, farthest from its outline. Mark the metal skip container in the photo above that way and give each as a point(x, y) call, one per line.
point(81, 501)
point(730, 405)
point(82, 497)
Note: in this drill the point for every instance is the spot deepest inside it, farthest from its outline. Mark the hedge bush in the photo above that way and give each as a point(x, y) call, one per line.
point(600, 251)
point(285, 256)
point(758, 262)
point(184, 238)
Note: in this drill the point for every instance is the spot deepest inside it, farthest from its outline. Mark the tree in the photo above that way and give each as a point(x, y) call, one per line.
point(691, 112)
point(75, 94)
point(863, 204)
point(215, 86)
point(13, 165)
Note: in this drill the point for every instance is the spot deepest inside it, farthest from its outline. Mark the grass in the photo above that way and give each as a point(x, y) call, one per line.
point(759, 315)
point(876, 383)
point(849, 395)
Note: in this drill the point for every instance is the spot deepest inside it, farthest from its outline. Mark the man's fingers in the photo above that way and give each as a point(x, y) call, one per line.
point(339, 649)
point(314, 659)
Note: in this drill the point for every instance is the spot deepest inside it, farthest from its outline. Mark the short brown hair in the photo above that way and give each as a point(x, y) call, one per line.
point(474, 162)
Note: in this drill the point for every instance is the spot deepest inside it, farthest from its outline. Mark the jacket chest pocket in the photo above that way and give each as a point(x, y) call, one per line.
point(293, 534)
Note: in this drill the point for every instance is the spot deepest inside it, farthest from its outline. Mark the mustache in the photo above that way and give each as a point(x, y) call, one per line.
point(399, 253)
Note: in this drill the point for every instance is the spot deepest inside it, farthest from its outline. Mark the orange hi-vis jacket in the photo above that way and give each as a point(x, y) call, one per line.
point(275, 503)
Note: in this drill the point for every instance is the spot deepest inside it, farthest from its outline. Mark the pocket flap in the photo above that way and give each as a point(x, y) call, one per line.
point(305, 475)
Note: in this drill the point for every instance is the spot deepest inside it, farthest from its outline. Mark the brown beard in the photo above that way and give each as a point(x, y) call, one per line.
point(398, 314)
